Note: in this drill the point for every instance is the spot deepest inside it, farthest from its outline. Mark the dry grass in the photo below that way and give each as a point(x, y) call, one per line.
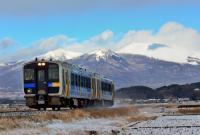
point(86, 113)
point(166, 105)
point(140, 118)
point(189, 110)
point(68, 116)
point(65, 116)
point(169, 106)
point(113, 112)
point(7, 123)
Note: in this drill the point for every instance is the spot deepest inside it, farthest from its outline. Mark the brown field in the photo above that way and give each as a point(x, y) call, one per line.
point(140, 118)
point(86, 113)
point(128, 112)
point(189, 110)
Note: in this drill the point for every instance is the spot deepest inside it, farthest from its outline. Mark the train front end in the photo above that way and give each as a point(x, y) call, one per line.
point(42, 84)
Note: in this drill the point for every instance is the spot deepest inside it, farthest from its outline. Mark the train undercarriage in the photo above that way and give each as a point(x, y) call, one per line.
point(56, 102)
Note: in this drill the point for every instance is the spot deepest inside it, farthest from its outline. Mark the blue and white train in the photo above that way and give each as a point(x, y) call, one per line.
point(56, 84)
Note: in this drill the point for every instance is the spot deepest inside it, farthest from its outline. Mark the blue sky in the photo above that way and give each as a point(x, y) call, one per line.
point(33, 21)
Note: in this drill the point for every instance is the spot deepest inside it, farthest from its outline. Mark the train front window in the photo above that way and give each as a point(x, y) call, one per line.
point(53, 72)
point(29, 75)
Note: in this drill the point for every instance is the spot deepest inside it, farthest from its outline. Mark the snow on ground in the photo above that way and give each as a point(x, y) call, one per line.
point(101, 126)
point(22, 131)
point(163, 125)
point(167, 125)
point(168, 121)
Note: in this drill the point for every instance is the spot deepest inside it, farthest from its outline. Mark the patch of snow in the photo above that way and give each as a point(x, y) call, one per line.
point(60, 54)
point(2, 64)
point(102, 126)
point(167, 125)
point(103, 54)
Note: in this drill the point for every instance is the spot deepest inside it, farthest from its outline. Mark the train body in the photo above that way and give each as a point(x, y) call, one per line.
point(56, 84)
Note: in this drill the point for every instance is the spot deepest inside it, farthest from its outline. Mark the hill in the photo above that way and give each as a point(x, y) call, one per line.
point(191, 91)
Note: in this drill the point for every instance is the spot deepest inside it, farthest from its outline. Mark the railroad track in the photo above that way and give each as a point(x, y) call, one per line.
point(19, 113)
point(27, 112)
point(165, 127)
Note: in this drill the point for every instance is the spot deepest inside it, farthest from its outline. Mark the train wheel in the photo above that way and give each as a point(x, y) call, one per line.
point(53, 108)
point(39, 108)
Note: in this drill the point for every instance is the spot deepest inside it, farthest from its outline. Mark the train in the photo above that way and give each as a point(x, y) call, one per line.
point(56, 84)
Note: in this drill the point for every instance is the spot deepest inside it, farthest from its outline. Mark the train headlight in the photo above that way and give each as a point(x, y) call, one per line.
point(41, 64)
point(29, 91)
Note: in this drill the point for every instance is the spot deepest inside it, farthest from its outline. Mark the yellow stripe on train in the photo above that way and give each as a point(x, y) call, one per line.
point(53, 84)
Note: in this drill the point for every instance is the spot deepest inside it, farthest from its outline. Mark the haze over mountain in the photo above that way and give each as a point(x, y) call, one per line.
point(125, 69)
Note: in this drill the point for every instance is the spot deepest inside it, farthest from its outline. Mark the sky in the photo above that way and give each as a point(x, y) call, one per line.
point(155, 28)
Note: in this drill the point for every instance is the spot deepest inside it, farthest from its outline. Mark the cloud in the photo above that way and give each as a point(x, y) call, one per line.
point(181, 41)
point(172, 42)
point(66, 7)
point(40, 47)
point(62, 42)
point(6, 42)
point(103, 40)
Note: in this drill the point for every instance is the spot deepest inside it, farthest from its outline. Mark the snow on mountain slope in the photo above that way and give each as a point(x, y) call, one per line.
point(104, 54)
point(160, 51)
point(2, 64)
point(60, 54)
point(103, 58)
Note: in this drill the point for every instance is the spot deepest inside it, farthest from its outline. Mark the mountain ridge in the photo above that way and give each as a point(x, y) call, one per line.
point(124, 69)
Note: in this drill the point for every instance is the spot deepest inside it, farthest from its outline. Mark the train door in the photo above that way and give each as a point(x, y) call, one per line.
point(41, 85)
point(41, 81)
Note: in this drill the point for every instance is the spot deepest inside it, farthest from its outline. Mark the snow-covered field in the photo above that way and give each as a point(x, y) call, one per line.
point(167, 125)
point(100, 126)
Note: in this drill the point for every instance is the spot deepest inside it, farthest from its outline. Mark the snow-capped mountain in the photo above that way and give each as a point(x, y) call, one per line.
point(128, 69)
point(125, 69)
point(101, 56)
point(104, 54)
point(11, 76)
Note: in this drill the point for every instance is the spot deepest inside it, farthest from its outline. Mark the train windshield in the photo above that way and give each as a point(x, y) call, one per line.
point(29, 75)
point(53, 72)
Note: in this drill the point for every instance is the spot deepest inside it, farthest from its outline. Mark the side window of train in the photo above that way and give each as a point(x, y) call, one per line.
point(79, 80)
point(82, 81)
point(72, 79)
point(86, 82)
point(63, 78)
point(76, 81)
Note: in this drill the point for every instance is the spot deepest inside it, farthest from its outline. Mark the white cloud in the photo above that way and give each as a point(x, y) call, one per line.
point(40, 47)
point(179, 41)
point(6, 42)
point(103, 40)
point(61, 42)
